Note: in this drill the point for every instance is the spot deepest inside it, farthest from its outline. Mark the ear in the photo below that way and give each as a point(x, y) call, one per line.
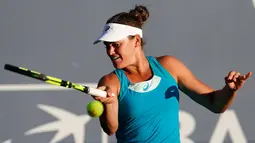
point(138, 41)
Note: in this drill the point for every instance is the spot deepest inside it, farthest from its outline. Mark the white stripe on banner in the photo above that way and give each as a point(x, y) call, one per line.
point(37, 87)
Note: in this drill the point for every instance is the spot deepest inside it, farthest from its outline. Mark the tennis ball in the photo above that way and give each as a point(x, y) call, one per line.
point(95, 108)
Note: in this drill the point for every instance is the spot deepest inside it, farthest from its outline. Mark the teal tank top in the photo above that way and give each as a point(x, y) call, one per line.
point(149, 110)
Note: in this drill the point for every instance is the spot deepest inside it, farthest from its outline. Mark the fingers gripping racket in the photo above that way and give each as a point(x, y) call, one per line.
point(54, 80)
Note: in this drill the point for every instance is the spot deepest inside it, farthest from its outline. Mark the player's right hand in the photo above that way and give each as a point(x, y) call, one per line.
point(110, 97)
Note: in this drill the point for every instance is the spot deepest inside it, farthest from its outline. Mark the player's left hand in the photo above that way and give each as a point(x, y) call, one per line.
point(235, 80)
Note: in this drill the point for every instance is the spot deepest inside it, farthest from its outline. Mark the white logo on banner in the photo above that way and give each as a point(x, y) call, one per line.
point(7, 141)
point(68, 124)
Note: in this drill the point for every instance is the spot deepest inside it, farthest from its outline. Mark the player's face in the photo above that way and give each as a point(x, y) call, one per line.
point(121, 53)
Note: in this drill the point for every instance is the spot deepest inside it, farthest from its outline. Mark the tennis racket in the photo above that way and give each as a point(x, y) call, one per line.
point(54, 80)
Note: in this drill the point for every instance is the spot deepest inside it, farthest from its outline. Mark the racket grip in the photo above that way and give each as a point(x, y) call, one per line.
point(97, 92)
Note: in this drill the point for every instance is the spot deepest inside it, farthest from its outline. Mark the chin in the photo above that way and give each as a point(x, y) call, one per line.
point(118, 66)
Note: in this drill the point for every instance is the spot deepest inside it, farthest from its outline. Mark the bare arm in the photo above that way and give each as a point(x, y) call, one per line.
point(109, 118)
point(216, 101)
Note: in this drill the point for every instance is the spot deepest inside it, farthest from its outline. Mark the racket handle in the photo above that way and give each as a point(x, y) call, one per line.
point(96, 92)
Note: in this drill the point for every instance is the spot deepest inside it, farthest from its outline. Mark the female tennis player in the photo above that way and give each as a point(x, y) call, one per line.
point(142, 103)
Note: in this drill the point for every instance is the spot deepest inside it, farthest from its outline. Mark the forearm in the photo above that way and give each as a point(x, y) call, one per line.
point(109, 118)
point(222, 99)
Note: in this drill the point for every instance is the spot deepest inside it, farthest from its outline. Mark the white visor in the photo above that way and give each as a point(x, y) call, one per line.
point(114, 32)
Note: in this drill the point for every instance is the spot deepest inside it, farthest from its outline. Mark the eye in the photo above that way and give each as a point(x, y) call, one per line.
point(116, 45)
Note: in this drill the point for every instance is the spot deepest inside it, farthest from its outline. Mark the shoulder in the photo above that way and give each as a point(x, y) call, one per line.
point(169, 62)
point(111, 80)
point(166, 59)
point(172, 64)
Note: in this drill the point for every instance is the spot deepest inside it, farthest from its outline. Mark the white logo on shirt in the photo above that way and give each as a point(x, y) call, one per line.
point(145, 86)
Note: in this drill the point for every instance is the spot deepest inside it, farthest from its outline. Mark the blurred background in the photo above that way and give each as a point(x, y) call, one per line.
point(56, 37)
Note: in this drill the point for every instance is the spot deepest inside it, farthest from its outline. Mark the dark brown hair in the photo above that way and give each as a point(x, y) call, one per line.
point(135, 17)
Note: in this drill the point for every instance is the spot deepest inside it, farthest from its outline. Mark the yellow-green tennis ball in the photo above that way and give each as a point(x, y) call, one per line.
point(95, 108)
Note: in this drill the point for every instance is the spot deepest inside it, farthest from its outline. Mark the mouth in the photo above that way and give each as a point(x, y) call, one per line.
point(114, 58)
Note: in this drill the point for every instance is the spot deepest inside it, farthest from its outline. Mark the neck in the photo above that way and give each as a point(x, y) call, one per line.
point(140, 67)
